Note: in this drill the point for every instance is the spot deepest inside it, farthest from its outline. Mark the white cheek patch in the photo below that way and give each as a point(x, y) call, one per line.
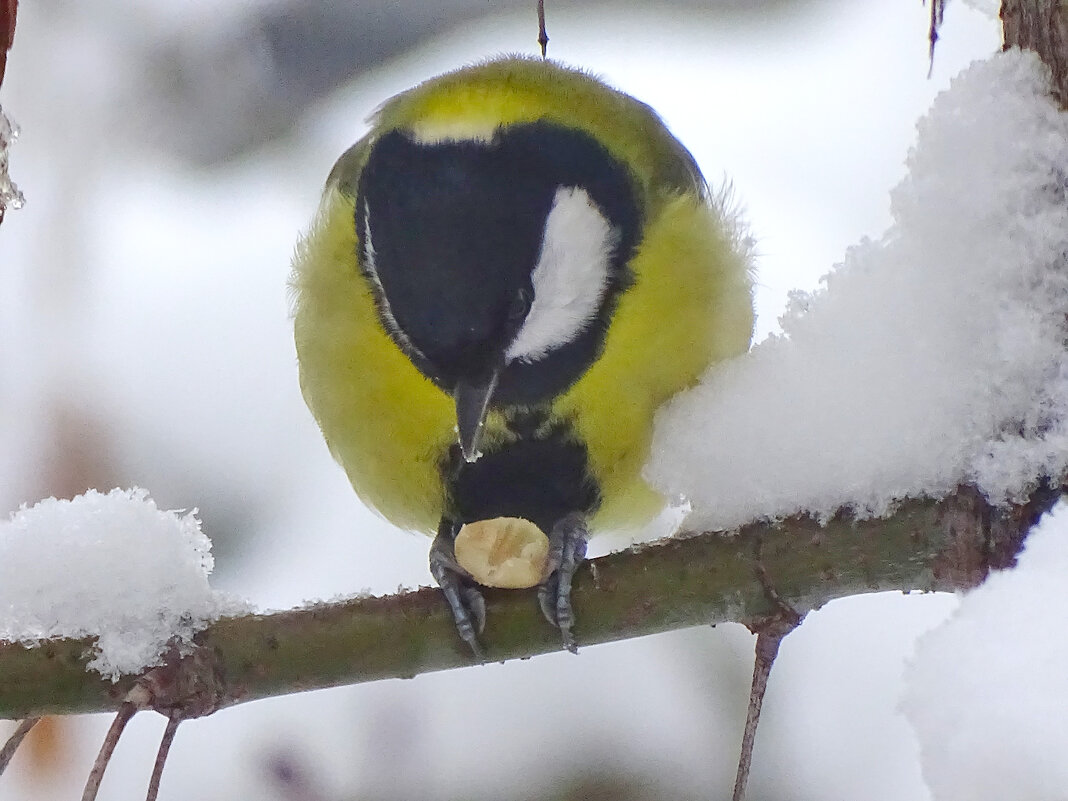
point(570, 278)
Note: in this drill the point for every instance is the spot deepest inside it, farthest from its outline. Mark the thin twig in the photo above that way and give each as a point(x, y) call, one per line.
point(14, 741)
point(767, 648)
point(92, 785)
point(161, 756)
point(770, 632)
point(938, 10)
point(543, 37)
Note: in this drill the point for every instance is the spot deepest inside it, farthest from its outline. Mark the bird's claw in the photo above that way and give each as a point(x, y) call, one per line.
point(567, 549)
point(465, 601)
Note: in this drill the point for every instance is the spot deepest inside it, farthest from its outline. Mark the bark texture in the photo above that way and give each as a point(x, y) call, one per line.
point(1042, 26)
point(688, 580)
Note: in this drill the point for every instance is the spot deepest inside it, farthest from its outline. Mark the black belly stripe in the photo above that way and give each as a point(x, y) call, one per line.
point(540, 478)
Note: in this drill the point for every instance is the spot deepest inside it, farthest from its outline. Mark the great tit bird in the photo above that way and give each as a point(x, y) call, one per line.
point(507, 276)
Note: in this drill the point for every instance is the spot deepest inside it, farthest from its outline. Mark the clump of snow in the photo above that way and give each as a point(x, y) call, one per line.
point(113, 566)
point(930, 357)
point(11, 196)
point(986, 691)
point(988, 7)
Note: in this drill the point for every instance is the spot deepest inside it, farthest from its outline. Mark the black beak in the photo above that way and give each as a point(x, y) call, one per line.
point(472, 398)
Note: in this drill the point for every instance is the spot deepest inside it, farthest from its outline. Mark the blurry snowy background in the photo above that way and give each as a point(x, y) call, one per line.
point(172, 152)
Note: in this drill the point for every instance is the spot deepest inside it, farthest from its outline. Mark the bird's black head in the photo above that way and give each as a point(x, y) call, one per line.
point(497, 263)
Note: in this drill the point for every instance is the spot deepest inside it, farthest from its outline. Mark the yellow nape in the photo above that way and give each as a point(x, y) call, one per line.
point(387, 433)
point(472, 103)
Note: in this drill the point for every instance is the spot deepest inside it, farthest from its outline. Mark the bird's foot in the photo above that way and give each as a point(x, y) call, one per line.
point(461, 591)
point(567, 549)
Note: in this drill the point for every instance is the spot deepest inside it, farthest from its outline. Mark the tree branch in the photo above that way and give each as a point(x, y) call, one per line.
point(1041, 26)
point(687, 580)
point(8, 13)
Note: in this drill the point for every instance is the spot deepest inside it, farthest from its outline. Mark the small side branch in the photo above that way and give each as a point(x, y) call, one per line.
point(934, 24)
point(770, 631)
point(127, 709)
point(767, 648)
point(543, 36)
point(14, 741)
point(185, 686)
point(161, 757)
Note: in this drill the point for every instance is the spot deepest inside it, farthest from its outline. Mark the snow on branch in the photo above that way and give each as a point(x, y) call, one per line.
point(677, 582)
point(930, 358)
point(111, 566)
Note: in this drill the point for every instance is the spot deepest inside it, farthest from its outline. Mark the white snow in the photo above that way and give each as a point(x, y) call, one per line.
point(113, 566)
point(930, 357)
point(10, 195)
point(986, 692)
point(988, 7)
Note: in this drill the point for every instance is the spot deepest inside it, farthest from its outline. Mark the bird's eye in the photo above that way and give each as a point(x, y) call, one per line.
point(520, 304)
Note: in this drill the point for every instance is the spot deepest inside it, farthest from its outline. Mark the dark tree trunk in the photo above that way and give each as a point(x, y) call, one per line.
point(1042, 26)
